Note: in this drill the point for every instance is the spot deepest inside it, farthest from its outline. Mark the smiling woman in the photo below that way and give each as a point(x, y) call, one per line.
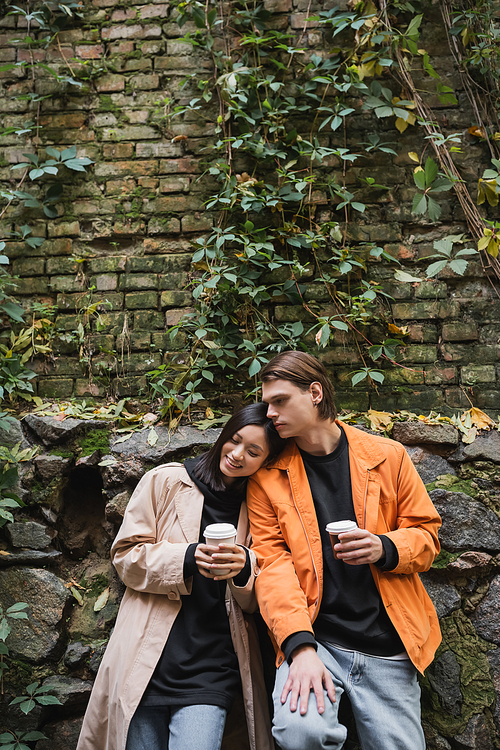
point(176, 659)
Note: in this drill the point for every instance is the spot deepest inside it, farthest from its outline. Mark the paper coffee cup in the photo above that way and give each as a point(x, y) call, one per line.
point(220, 533)
point(339, 527)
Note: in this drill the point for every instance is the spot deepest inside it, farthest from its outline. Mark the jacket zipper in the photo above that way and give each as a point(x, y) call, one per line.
point(308, 544)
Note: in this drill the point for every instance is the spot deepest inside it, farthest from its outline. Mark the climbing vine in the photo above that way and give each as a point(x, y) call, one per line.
point(289, 190)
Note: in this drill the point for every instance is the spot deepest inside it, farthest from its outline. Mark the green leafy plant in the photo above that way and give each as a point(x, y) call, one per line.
point(431, 182)
point(447, 258)
point(35, 694)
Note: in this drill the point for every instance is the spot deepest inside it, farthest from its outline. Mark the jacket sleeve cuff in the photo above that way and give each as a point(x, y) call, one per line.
point(302, 638)
point(241, 579)
point(189, 562)
point(391, 559)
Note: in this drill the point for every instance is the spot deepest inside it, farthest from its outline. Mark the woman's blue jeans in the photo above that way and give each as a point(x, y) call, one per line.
point(385, 700)
point(176, 728)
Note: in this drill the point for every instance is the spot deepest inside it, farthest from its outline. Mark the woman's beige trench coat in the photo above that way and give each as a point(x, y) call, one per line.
point(162, 518)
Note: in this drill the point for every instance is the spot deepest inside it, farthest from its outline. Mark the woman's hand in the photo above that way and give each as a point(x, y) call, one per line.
point(228, 558)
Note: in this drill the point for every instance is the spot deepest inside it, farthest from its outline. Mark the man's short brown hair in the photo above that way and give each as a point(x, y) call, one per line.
point(302, 369)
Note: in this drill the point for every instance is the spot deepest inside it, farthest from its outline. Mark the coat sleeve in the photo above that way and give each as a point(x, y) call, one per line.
point(416, 535)
point(245, 595)
point(282, 601)
point(144, 562)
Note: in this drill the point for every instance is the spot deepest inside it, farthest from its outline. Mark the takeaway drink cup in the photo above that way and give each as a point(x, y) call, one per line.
point(339, 527)
point(220, 533)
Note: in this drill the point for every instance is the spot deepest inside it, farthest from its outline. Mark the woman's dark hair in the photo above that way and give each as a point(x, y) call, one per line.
point(208, 467)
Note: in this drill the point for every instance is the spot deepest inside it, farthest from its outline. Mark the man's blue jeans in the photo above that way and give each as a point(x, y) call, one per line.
point(176, 728)
point(385, 699)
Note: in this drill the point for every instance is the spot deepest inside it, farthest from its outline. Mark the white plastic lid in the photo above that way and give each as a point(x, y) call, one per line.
point(220, 531)
point(339, 527)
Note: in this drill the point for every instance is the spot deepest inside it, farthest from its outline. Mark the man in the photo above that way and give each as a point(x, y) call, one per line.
point(361, 623)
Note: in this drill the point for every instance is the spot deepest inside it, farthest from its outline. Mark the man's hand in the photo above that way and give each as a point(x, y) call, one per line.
point(307, 672)
point(359, 547)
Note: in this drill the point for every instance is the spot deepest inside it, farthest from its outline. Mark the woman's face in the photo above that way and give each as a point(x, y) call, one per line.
point(244, 453)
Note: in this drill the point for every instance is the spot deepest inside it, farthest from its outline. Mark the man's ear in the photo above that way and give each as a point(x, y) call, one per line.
point(316, 391)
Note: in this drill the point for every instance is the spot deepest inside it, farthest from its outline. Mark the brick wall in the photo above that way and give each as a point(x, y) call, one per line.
point(129, 222)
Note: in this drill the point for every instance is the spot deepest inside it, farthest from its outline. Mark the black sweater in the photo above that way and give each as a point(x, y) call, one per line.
point(198, 663)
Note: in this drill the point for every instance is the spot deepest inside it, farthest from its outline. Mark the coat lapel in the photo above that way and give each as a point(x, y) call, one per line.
point(189, 507)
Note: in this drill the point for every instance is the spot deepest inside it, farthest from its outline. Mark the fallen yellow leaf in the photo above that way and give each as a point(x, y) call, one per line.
point(101, 600)
point(479, 419)
point(402, 331)
point(379, 420)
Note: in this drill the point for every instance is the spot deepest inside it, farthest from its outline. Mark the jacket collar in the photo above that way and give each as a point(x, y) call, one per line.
point(366, 448)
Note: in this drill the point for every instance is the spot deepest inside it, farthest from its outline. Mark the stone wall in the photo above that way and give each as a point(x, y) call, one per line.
point(55, 557)
point(129, 223)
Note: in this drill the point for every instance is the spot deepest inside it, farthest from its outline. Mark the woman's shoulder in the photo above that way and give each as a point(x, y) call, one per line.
point(172, 472)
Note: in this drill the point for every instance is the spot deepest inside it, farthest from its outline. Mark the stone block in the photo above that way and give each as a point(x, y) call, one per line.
point(352, 400)
point(89, 51)
point(70, 228)
point(460, 331)
point(124, 14)
point(29, 286)
point(107, 264)
point(61, 266)
point(131, 32)
point(416, 433)
point(136, 341)
point(141, 363)
point(176, 299)
point(136, 281)
point(118, 150)
point(437, 375)
point(129, 133)
point(176, 166)
point(144, 82)
point(473, 374)
point(110, 301)
point(456, 398)
point(162, 225)
point(37, 638)
point(147, 320)
point(173, 281)
point(469, 353)
point(175, 63)
point(106, 282)
point(28, 267)
point(419, 354)
point(131, 386)
point(175, 185)
point(55, 387)
point(148, 265)
point(111, 322)
point(154, 11)
point(176, 204)
point(67, 284)
point(30, 535)
point(402, 376)
point(110, 82)
point(126, 168)
point(141, 301)
point(431, 290)
point(426, 310)
point(85, 387)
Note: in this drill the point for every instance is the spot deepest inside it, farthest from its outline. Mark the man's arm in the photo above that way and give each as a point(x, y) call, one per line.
point(283, 603)
point(417, 523)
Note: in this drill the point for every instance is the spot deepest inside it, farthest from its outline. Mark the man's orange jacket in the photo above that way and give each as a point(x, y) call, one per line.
point(389, 498)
